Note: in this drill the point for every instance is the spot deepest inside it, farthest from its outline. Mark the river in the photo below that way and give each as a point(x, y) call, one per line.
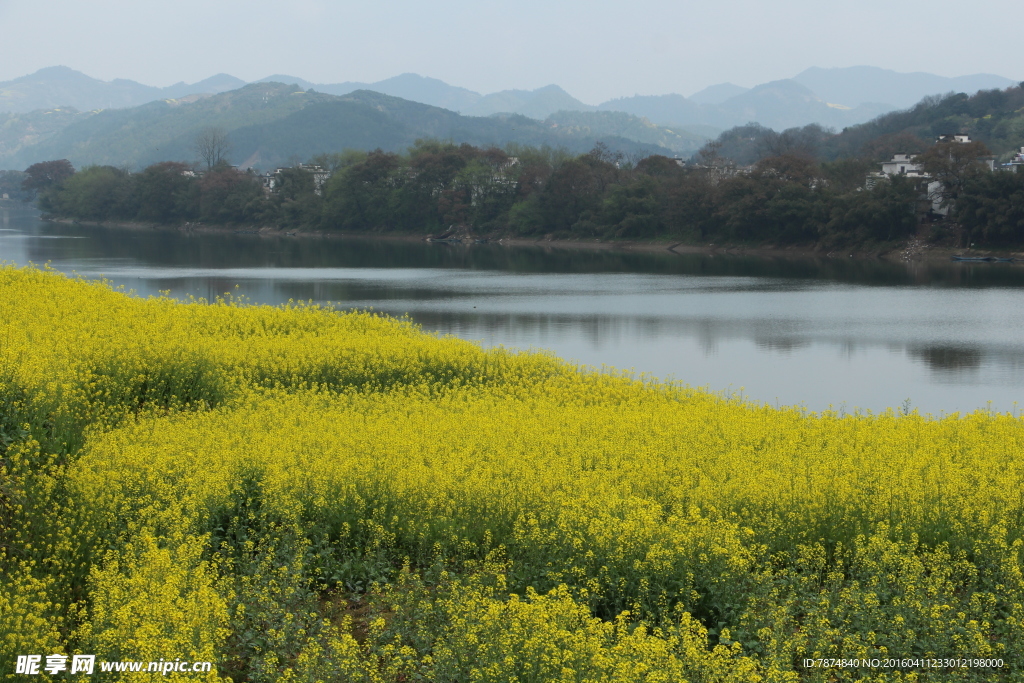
point(842, 333)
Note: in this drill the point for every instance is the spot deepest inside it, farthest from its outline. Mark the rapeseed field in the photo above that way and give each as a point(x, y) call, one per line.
point(301, 494)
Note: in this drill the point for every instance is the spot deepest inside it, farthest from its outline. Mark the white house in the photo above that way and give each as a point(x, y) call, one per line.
point(905, 165)
point(320, 176)
point(1016, 164)
point(902, 164)
point(268, 180)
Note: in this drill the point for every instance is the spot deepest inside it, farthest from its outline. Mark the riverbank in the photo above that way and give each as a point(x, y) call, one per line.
point(915, 249)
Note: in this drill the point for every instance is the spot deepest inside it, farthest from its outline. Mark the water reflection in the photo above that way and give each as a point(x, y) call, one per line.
point(156, 248)
point(781, 345)
point(949, 358)
point(816, 332)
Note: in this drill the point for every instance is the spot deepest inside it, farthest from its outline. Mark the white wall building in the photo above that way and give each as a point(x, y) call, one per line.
point(905, 165)
point(902, 164)
point(1016, 164)
point(320, 177)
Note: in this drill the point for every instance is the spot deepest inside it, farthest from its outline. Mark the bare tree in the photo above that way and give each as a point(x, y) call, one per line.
point(212, 145)
point(711, 153)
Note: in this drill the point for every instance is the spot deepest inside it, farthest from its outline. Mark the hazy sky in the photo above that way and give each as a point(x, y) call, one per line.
point(596, 49)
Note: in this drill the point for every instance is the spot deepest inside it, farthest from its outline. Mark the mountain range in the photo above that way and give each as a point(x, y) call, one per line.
point(830, 97)
point(58, 112)
point(59, 86)
point(271, 124)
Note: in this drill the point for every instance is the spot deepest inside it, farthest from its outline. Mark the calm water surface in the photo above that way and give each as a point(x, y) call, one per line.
point(818, 333)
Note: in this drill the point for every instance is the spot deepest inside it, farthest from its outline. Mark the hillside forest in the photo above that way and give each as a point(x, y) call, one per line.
point(751, 186)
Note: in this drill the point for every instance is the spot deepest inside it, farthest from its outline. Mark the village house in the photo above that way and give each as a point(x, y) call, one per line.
point(1016, 164)
point(320, 177)
point(902, 164)
point(905, 165)
point(268, 180)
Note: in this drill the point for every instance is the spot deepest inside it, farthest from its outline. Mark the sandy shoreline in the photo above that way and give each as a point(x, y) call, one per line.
point(912, 250)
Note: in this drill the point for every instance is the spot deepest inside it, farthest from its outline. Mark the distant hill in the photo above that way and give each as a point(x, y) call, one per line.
point(787, 104)
point(368, 120)
point(994, 117)
point(623, 125)
point(161, 130)
point(295, 80)
point(59, 86)
point(408, 86)
point(537, 104)
point(269, 124)
point(425, 90)
point(856, 85)
point(18, 131)
point(779, 104)
point(663, 109)
point(716, 94)
point(212, 85)
point(836, 97)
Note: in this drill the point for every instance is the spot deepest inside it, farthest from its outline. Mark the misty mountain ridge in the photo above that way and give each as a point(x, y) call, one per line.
point(716, 94)
point(273, 124)
point(858, 85)
point(122, 133)
point(830, 97)
point(60, 86)
point(537, 104)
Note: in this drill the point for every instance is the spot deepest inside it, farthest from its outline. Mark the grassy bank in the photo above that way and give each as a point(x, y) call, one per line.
point(300, 494)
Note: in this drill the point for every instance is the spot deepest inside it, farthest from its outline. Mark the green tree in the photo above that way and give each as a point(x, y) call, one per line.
point(881, 214)
point(431, 197)
point(227, 195)
point(96, 193)
point(634, 210)
point(991, 208)
point(360, 196)
point(780, 200)
point(46, 174)
point(847, 175)
point(295, 201)
point(338, 161)
point(575, 187)
point(44, 178)
point(953, 164)
point(167, 193)
point(490, 179)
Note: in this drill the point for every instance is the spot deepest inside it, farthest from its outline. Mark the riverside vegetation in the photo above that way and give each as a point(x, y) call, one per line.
point(786, 199)
point(300, 494)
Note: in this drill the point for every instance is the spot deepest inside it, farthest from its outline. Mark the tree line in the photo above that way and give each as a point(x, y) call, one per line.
point(785, 198)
